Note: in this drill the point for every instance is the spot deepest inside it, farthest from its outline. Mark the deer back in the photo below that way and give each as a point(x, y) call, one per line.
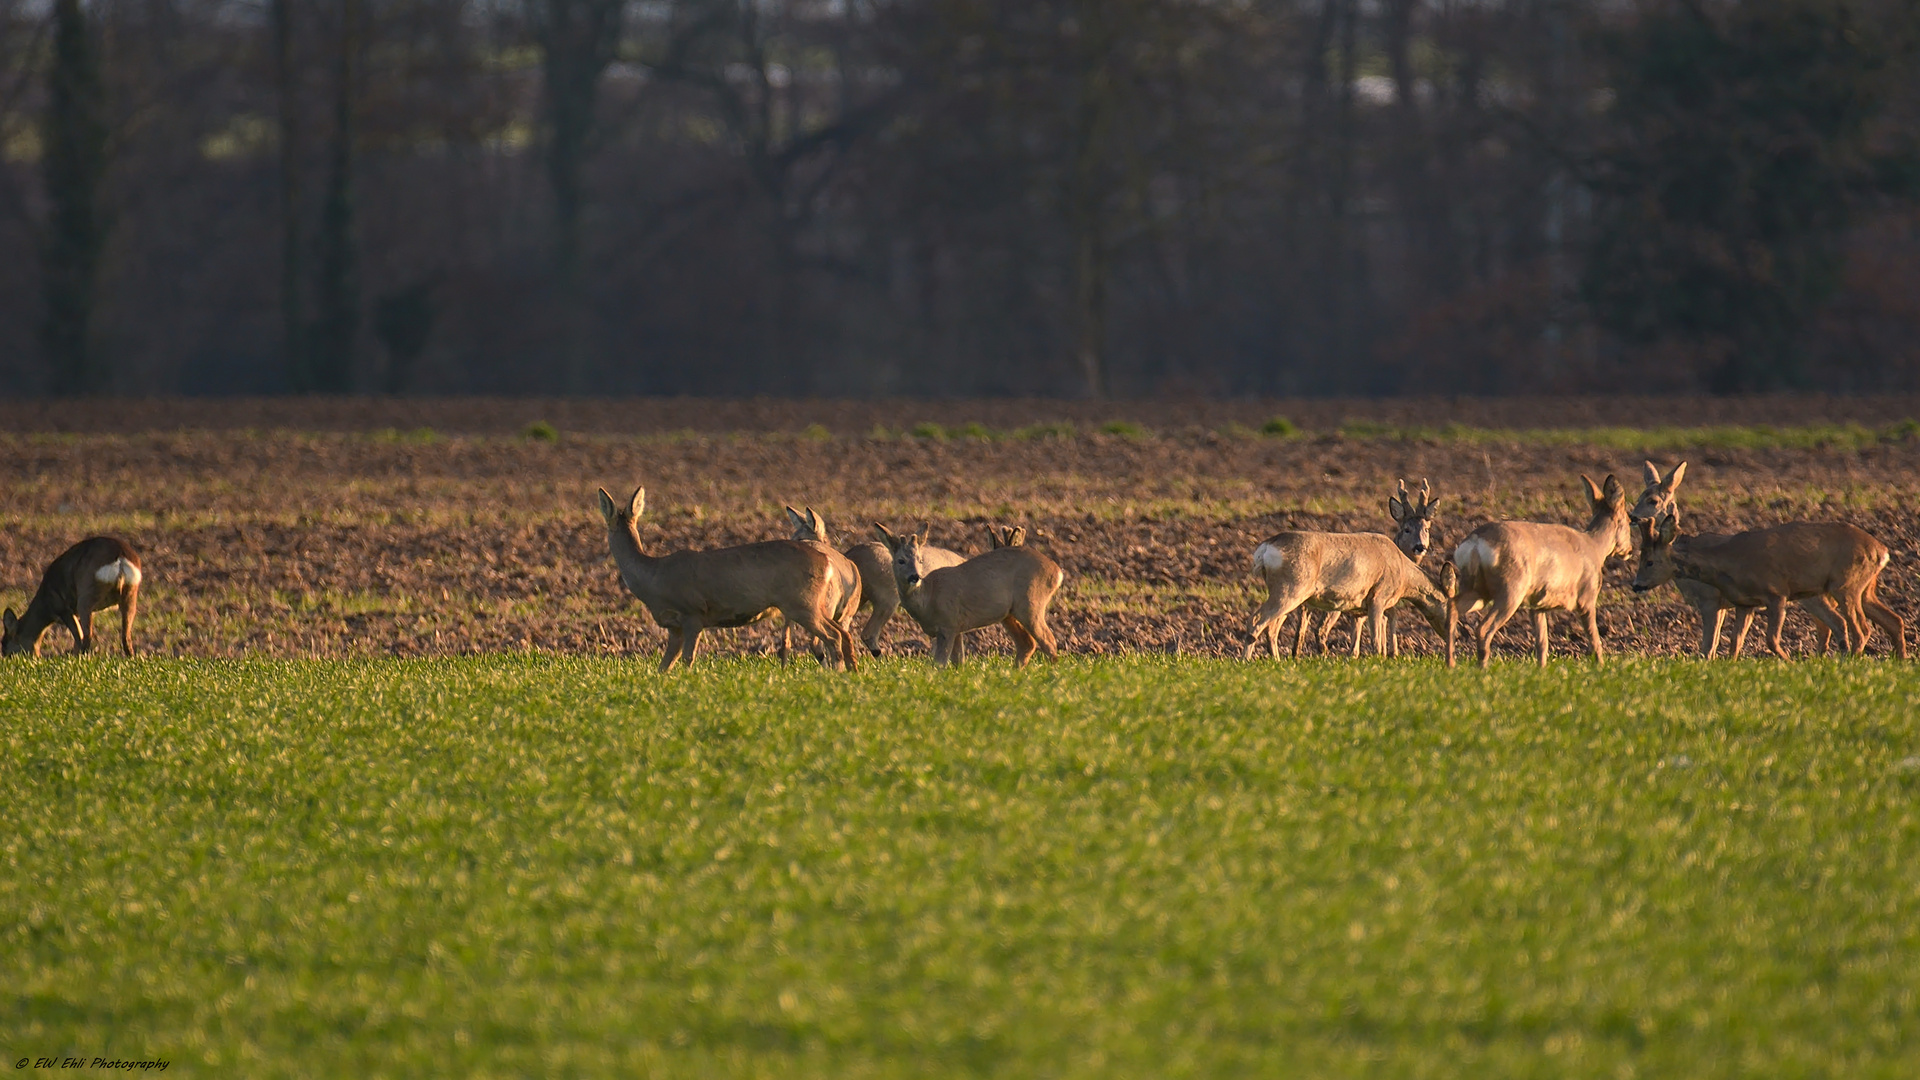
point(726, 585)
point(1796, 560)
point(986, 588)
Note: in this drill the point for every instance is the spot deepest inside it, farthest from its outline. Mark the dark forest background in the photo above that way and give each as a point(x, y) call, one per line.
point(958, 197)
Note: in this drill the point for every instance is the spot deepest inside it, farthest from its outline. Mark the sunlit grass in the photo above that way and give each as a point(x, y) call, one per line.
point(521, 866)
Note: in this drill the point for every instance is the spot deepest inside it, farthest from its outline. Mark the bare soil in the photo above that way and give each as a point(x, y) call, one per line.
point(318, 538)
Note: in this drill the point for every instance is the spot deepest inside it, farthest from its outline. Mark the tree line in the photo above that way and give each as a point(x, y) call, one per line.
point(958, 197)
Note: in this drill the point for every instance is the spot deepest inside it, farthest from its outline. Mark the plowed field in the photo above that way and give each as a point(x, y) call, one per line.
point(343, 528)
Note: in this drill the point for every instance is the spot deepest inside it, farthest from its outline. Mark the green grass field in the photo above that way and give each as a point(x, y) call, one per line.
point(520, 865)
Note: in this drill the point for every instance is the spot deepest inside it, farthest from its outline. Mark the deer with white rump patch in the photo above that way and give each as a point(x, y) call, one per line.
point(1766, 568)
point(1412, 534)
point(1510, 565)
point(95, 574)
point(1011, 586)
point(689, 592)
point(811, 528)
point(1658, 500)
point(1340, 573)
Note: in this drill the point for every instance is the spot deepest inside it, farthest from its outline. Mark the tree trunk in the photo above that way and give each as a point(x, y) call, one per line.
point(578, 39)
point(293, 254)
point(337, 320)
point(74, 136)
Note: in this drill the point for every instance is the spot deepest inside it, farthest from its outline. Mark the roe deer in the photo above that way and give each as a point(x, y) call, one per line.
point(689, 592)
point(1011, 586)
point(1766, 568)
point(877, 588)
point(1339, 572)
point(1508, 565)
point(1657, 499)
point(812, 528)
point(1413, 534)
point(95, 574)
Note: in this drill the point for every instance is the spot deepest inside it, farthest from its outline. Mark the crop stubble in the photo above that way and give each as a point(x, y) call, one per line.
point(350, 543)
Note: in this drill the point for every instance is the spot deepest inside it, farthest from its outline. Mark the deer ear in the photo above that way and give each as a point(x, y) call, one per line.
point(1615, 493)
point(638, 504)
point(1679, 473)
point(1016, 536)
point(12, 622)
point(1652, 472)
point(886, 534)
point(818, 524)
point(1593, 489)
point(1668, 527)
point(794, 518)
point(1396, 509)
point(606, 506)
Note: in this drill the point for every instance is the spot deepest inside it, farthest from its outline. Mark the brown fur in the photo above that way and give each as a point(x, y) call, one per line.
point(1338, 572)
point(689, 592)
point(1659, 499)
point(70, 592)
point(1767, 568)
point(1010, 585)
point(1510, 565)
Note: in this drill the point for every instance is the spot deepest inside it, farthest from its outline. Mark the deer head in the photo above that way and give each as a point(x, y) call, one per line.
point(1415, 520)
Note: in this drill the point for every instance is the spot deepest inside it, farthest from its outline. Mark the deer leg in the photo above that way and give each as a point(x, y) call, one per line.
point(690, 642)
point(1541, 646)
point(1266, 625)
point(1593, 632)
point(1377, 621)
point(1777, 621)
point(1711, 620)
point(1745, 623)
point(1503, 609)
point(1299, 634)
point(674, 636)
point(876, 623)
point(79, 632)
point(1889, 621)
point(129, 603)
point(1023, 643)
point(1033, 620)
point(1325, 636)
point(1829, 621)
point(1854, 617)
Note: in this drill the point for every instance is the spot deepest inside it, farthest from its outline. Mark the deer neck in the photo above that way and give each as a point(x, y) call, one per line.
point(635, 565)
point(34, 623)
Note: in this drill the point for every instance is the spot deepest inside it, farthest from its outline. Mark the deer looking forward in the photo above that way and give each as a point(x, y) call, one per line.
point(1657, 500)
point(875, 565)
point(1011, 586)
point(1340, 573)
point(1509, 565)
point(689, 592)
point(1766, 568)
point(95, 574)
point(1412, 534)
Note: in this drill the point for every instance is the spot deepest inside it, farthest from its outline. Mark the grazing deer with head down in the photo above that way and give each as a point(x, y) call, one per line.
point(812, 528)
point(1657, 500)
point(1011, 586)
point(1766, 568)
point(95, 574)
point(689, 592)
point(1510, 565)
point(1340, 572)
point(1412, 534)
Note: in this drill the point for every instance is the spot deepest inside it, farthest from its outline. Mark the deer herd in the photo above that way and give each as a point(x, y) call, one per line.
point(1830, 570)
